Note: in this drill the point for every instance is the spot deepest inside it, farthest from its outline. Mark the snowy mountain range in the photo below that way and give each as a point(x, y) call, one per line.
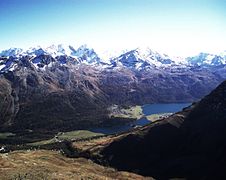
point(137, 59)
point(60, 87)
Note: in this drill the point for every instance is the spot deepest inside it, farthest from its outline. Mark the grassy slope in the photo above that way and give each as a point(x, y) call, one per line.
point(5, 135)
point(42, 164)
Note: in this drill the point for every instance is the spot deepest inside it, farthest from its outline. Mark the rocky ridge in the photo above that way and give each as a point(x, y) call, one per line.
point(64, 87)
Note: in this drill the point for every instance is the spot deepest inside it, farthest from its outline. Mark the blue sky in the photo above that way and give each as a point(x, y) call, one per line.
point(176, 27)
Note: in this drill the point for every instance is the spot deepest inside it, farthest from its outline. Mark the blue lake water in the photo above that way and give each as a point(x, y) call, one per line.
point(148, 109)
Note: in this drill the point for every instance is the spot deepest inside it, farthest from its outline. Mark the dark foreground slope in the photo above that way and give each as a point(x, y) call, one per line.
point(190, 144)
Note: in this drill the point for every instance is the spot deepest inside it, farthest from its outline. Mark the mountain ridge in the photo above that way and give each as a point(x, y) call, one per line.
point(137, 58)
point(37, 89)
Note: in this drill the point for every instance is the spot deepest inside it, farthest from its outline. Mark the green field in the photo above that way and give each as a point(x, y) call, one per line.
point(5, 135)
point(72, 135)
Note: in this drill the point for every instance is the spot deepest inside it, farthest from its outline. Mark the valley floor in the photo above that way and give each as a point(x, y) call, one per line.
point(24, 162)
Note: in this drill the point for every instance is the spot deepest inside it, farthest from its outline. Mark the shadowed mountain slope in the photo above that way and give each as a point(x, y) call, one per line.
point(190, 144)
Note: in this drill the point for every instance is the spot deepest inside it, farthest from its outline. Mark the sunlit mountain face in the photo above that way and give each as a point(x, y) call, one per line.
point(137, 59)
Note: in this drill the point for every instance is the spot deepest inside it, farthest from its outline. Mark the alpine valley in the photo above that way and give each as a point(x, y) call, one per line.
point(61, 88)
point(52, 99)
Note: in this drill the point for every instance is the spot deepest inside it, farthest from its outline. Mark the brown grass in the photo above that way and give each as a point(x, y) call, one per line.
point(43, 164)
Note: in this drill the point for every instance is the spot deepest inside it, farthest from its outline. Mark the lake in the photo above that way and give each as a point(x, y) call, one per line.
point(148, 109)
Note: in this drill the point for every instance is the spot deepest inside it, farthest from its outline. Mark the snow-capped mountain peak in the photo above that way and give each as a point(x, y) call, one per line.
point(140, 58)
point(11, 52)
point(135, 59)
point(60, 50)
point(83, 52)
point(41, 57)
point(207, 59)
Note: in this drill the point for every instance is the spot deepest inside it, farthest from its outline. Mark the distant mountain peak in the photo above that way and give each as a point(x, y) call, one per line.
point(136, 59)
point(207, 59)
point(41, 57)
